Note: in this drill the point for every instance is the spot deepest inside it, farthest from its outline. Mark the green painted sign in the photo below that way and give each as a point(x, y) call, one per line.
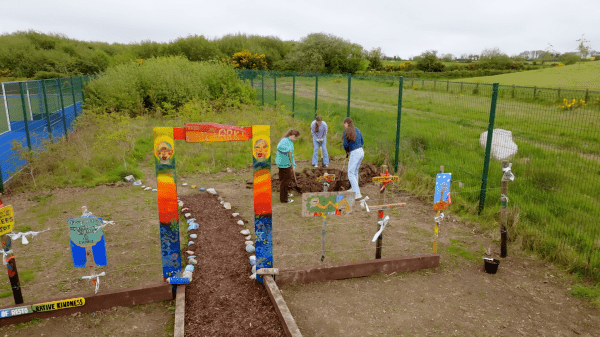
point(85, 231)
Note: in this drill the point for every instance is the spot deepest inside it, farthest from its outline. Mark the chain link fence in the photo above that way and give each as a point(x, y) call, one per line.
point(555, 198)
point(33, 112)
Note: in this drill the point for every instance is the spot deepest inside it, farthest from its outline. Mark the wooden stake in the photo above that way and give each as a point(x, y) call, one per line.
point(13, 276)
point(436, 229)
point(324, 225)
point(380, 214)
point(503, 201)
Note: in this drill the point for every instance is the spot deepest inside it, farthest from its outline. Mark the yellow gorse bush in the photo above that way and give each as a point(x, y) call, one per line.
point(245, 60)
point(573, 104)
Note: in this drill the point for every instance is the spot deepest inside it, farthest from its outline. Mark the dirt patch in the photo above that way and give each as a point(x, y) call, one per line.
point(222, 300)
point(307, 179)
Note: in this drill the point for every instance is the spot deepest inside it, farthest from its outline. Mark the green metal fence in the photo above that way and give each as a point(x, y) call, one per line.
point(425, 124)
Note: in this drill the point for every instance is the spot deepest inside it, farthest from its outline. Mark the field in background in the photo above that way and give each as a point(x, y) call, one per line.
point(576, 76)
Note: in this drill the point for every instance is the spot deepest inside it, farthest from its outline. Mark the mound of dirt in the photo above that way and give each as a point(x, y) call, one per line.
point(307, 179)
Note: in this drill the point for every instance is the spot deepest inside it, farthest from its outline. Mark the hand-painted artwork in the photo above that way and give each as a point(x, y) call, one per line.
point(57, 305)
point(87, 232)
point(326, 177)
point(384, 179)
point(327, 203)
point(212, 132)
point(17, 311)
point(442, 191)
point(7, 219)
point(263, 222)
point(168, 212)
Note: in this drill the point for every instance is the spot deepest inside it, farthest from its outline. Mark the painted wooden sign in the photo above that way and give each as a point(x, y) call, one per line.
point(442, 191)
point(7, 219)
point(87, 232)
point(212, 132)
point(263, 217)
point(57, 305)
point(386, 179)
point(16, 311)
point(326, 177)
point(327, 203)
point(168, 211)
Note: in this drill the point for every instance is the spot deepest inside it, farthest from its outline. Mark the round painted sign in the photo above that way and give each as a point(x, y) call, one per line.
point(85, 231)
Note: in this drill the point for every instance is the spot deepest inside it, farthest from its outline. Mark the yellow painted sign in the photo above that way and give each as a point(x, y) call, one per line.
point(7, 219)
point(385, 179)
point(57, 305)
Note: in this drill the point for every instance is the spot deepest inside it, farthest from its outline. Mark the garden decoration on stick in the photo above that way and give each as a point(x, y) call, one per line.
point(7, 222)
point(441, 201)
point(326, 179)
point(384, 179)
point(87, 240)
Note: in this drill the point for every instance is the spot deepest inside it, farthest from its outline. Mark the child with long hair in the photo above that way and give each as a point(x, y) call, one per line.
point(353, 144)
point(286, 163)
point(318, 128)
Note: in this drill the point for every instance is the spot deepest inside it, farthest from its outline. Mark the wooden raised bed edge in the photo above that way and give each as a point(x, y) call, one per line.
point(96, 302)
point(339, 271)
point(283, 312)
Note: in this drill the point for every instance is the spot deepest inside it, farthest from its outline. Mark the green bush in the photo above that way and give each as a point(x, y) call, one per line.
point(43, 75)
point(165, 84)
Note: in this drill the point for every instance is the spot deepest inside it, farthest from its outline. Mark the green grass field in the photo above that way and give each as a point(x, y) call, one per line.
point(576, 76)
point(557, 191)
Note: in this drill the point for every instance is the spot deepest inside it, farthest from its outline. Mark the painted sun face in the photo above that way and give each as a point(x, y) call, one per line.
point(164, 151)
point(261, 149)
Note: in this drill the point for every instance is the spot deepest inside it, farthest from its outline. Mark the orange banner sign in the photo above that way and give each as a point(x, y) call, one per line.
point(212, 132)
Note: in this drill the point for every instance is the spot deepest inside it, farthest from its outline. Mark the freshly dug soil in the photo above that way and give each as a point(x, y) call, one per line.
point(307, 179)
point(222, 300)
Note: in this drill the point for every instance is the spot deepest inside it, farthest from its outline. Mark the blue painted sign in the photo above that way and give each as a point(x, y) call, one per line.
point(441, 198)
point(87, 232)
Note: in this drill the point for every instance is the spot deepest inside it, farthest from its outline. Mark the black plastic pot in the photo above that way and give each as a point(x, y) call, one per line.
point(491, 265)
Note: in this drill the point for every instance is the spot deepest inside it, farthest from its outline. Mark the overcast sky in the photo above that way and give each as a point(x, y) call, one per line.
point(403, 28)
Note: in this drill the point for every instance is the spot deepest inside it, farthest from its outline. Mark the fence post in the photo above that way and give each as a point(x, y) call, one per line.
point(434, 84)
point(73, 93)
point(275, 87)
point(47, 111)
point(504, 201)
point(461, 85)
point(82, 93)
point(412, 84)
point(587, 93)
point(401, 80)
point(40, 96)
point(534, 91)
point(488, 147)
point(513, 91)
point(62, 107)
point(558, 93)
point(349, 91)
point(293, 94)
point(6, 107)
point(24, 107)
point(447, 85)
point(316, 92)
point(262, 91)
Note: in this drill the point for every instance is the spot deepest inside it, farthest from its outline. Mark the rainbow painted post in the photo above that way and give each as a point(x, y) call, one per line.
point(168, 212)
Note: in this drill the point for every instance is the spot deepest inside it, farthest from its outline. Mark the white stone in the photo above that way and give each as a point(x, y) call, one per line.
point(240, 222)
point(190, 243)
point(211, 191)
point(503, 146)
point(187, 215)
point(253, 269)
point(192, 261)
point(180, 204)
point(245, 232)
point(189, 252)
point(227, 205)
point(229, 170)
point(253, 276)
point(249, 242)
point(250, 249)
point(248, 237)
point(222, 202)
point(130, 178)
point(193, 236)
point(184, 184)
point(235, 214)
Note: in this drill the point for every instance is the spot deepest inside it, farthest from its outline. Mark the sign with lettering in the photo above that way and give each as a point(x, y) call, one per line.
point(57, 305)
point(327, 203)
point(386, 179)
point(85, 231)
point(10, 312)
point(326, 177)
point(212, 132)
point(442, 191)
point(7, 219)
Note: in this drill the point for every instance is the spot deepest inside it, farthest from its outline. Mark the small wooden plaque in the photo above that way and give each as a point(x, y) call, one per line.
point(384, 179)
point(327, 203)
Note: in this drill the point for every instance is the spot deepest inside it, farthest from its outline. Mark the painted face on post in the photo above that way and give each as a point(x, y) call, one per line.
point(261, 148)
point(164, 151)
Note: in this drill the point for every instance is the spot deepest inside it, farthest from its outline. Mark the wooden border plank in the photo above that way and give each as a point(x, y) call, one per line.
point(96, 302)
point(180, 311)
point(339, 271)
point(285, 316)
